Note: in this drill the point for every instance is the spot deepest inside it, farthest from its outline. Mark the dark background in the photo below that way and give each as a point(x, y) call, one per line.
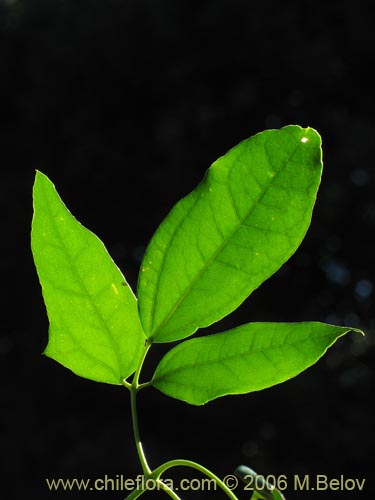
point(124, 104)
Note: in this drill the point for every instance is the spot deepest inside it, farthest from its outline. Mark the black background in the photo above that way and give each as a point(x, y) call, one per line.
point(124, 104)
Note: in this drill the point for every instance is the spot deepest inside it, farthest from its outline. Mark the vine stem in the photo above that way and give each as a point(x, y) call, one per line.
point(154, 475)
point(162, 486)
point(194, 465)
point(134, 387)
point(168, 490)
point(142, 458)
point(136, 493)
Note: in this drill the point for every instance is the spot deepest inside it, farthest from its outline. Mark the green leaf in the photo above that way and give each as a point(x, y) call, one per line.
point(219, 243)
point(262, 489)
point(246, 359)
point(95, 329)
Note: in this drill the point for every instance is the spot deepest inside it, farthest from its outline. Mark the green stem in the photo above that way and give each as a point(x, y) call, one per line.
point(189, 463)
point(163, 487)
point(133, 398)
point(145, 384)
point(134, 387)
point(136, 493)
point(145, 467)
point(168, 490)
point(126, 384)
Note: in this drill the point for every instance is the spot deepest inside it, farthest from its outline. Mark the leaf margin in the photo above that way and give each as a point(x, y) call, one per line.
point(160, 332)
point(181, 351)
point(43, 183)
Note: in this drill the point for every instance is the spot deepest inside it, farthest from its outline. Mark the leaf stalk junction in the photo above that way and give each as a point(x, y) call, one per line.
point(153, 476)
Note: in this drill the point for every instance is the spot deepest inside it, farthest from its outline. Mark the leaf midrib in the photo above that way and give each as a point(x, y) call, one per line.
point(84, 349)
point(248, 353)
point(80, 281)
point(216, 253)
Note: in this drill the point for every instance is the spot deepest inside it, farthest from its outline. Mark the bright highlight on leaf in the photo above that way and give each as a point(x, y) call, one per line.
point(246, 359)
point(94, 324)
point(219, 243)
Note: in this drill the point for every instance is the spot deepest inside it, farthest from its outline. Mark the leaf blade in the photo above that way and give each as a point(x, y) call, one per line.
point(95, 329)
point(245, 359)
point(241, 223)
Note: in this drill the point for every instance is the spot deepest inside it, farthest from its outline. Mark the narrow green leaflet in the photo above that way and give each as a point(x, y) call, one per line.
point(219, 243)
point(246, 359)
point(95, 329)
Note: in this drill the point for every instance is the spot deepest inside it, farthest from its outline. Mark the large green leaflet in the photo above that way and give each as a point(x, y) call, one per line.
point(219, 243)
point(246, 359)
point(94, 324)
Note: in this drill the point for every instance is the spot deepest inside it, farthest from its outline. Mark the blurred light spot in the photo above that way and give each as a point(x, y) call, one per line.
point(333, 319)
point(138, 253)
point(296, 98)
point(354, 376)
point(6, 345)
point(304, 139)
point(267, 431)
point(359, 177)
point(273, 121)
point(367, 212)
point(352, 319)
point(118, 251)
point(250, 449)
point(363, 289)
point(360, 344)
point(336, 272)
point(333, 358)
